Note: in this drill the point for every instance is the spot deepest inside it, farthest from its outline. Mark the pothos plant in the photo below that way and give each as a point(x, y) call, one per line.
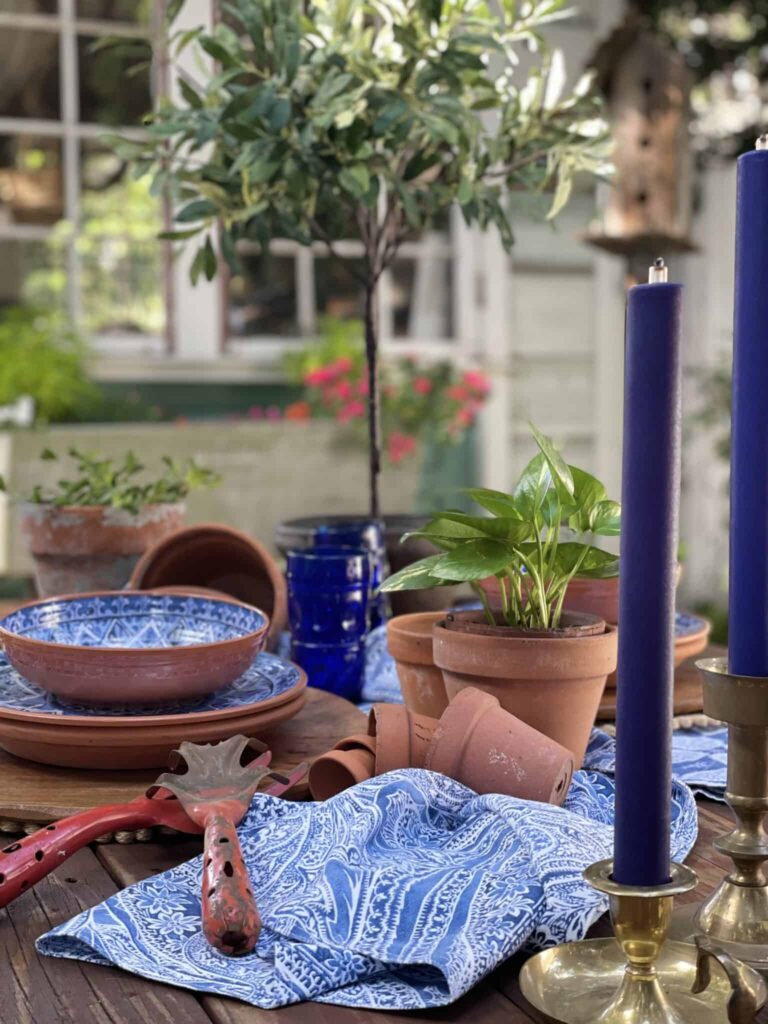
point(364, 119)
point(535, 541)
point(104, 481)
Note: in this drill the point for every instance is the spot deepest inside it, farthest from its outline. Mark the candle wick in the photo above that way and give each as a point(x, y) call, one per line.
point(762, 141)
point(659, 272)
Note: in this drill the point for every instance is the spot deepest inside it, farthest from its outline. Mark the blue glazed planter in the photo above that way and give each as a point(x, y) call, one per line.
point(337, 668)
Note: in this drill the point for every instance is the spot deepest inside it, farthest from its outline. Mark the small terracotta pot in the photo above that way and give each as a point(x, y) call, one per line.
point(81, 549)
point(409, 641)
point(481, 745)
point(552, 684)
point(402, 737)
point(218, 558)
point(358, 741)
point(338, 770)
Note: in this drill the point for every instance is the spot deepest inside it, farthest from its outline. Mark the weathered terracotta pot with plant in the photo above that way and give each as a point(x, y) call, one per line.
point(409, 641)
point(88, 533)
point(544, 667)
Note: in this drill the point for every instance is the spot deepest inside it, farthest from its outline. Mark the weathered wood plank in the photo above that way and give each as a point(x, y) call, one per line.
point(42, 990)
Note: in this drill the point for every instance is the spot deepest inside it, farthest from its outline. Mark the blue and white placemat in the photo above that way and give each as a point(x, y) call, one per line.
point(401, 893)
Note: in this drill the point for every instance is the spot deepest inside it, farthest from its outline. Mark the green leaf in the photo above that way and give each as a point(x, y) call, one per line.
point(496, 502)
point(596, 564)
point(534, 483)
point(417, 576)
point(209, 260)
point(198, 209)
point(189, 94)
point(605, 519)
point(355, 179)
point(587, 492)
point(178, 236)
point(561, 474)
point(474, 560)
point(48, 456)
point(459, 525)
point(280, 113)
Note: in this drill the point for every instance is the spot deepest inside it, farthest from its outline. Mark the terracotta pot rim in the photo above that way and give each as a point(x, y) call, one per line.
point(116, 653)
point(409, 644)
point(511, 634)
point(93, 510)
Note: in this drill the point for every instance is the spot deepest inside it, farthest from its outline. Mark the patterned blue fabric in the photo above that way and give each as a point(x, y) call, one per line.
point(268, 676)
point(401, 893)
point(135, 620)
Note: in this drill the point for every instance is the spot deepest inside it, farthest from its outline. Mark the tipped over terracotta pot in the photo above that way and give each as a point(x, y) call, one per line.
point(409, 641)
point(220, 558)
point(551, 680)
point(481, 745)
point(338, 770)
point(402, 737)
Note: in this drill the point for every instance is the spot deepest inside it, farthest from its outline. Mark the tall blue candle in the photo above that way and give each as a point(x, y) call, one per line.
point(748, 600)
point(649, 518)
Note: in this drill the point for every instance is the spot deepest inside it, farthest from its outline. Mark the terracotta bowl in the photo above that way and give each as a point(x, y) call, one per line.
point(222, 559)
point(120, 647)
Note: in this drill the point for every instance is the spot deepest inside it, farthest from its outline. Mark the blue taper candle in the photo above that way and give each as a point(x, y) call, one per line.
point(649, 519)
point(748, 589)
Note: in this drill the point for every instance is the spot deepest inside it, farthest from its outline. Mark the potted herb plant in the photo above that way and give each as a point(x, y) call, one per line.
point(546, 665)
point(88, 532)
point(328, 121)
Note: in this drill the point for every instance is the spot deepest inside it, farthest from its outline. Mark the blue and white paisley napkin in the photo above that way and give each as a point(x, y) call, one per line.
point(401, 893)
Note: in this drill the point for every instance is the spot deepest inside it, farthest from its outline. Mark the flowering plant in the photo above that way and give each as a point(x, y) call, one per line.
point(419, 400)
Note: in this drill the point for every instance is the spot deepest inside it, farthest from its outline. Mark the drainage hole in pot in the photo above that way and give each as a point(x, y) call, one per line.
point(211, 891)
point(2, 878)
point(228, 869)
point(50, 828)
point(25, 883)
point(72, 881)
point(39, 855)
point(223, 839)
point(12, 848)
point(209, 862)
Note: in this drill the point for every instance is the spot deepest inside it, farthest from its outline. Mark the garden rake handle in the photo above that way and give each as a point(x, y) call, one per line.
point(231, 921)
point(24, 863)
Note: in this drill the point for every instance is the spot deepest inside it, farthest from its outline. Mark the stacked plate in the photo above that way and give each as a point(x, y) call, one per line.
point(41, 727)
point(119, 680)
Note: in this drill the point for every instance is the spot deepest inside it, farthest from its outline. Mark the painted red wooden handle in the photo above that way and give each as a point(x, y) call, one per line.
point(231, 922)
point(24, 863)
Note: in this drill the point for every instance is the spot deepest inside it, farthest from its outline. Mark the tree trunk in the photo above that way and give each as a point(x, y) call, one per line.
point(374, 414)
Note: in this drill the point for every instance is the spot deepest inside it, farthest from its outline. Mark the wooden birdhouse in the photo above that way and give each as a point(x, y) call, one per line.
point(647, 88)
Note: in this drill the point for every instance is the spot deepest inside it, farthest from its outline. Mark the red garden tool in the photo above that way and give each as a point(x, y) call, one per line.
point(212, 796)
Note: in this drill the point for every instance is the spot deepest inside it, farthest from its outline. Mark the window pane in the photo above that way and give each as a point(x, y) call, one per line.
point(120, 257)
point(31, 274)
point(114, 10)
point(421, 296)
point(114, 81)
point(30, 6)
point(30, 180)
point(339, 294)
point(29, 73)
point(262, 300)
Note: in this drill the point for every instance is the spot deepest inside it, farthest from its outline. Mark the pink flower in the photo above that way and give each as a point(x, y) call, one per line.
point(458, 393)
point(315, 378)
point(362, 386)
point(477, 381)
point(255, 413)
point(351, 411)
point(343, 389)
point(342, 365)
point(274, 413)
point(465, 416)
point(400, 445)
point(422, 385)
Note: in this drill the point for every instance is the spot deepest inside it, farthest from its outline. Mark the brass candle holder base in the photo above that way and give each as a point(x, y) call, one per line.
point(735, 916)
point(638, 978)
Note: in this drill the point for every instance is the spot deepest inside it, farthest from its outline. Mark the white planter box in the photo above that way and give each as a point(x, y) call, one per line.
point(271, 471)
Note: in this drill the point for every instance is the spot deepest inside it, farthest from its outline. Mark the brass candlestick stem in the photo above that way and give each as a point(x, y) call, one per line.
point(736, 914)
point(639, 977)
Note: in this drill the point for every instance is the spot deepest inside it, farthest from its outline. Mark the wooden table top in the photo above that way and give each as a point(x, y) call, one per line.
point(40, 990)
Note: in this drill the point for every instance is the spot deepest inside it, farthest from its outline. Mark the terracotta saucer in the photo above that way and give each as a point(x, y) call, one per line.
point(268, 683)
point(130, 746)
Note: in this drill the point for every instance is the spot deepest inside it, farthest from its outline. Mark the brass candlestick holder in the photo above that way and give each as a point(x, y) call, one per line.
point(736, 914)
point(638, 977)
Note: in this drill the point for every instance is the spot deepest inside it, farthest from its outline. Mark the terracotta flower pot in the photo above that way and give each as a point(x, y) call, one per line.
point(553, 683)
point(358, 741)
point(481, 745)
point(218, 558)
point(338, 770)
point(409, 641)
point(81, 549)
point(402, 738)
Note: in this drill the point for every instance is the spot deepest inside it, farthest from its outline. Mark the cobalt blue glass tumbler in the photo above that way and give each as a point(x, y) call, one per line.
point(368, 534)
point(328, 606)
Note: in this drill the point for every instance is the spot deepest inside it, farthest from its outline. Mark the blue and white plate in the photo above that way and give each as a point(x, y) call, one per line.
point(269, 678)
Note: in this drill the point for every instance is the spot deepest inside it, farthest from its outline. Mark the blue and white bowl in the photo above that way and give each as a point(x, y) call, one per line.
point(127, 647)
